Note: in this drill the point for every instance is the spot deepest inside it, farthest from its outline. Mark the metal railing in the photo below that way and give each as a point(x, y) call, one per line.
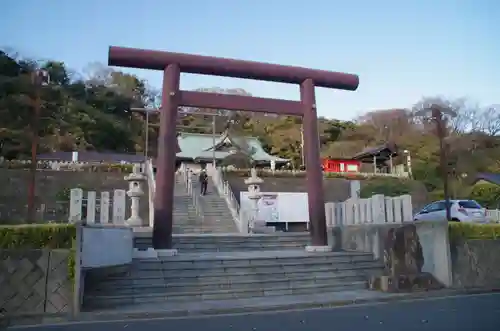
point(188, 181)
point(225, 191)
point(151, 189)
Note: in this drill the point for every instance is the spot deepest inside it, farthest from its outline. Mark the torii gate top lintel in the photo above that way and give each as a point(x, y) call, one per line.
point(216, 66)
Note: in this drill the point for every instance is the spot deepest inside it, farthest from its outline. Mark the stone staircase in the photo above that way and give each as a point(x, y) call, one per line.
point(215, 209)
point(194, 279)
point(185, 218)
point(215, 216)
point(214, 270)
point(188, 243)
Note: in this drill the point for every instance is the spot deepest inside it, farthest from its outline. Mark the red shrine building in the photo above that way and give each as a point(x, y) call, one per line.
point(340, 165)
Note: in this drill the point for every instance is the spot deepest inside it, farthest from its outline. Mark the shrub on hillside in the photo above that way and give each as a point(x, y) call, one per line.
point(487, 195)
point(470, 231)
point(387, 186)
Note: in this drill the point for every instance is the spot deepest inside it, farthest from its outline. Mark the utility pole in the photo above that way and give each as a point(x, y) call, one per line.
point(302, 156)
point(39, 78)
point(213, 141)
point(146, 138)
point(147, 111)
point(437, 115)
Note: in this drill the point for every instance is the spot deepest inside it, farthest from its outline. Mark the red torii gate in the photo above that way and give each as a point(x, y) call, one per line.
point(172, 64)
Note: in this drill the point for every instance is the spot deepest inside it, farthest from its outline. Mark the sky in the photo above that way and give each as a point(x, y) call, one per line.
point(401, 50)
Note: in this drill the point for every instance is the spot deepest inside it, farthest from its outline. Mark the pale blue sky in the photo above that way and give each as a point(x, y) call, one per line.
point(402, 50)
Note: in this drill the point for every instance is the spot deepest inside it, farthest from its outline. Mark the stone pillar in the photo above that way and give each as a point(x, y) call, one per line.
point(316, 201)
point(135, 192)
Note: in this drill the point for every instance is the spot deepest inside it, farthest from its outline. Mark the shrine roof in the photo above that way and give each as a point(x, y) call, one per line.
point(200, 146)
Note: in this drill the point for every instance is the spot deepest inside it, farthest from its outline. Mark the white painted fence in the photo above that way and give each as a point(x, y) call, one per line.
point(493, 215)
point(68, 165)
point(101, 205)
point(375, 210)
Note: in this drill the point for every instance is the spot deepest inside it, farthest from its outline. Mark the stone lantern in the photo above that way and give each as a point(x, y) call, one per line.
point(254, 195)
point(135, 191)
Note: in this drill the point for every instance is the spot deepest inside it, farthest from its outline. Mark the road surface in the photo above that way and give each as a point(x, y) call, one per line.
point(472, 312)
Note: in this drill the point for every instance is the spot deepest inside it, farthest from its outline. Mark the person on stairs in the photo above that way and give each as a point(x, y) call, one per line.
point(203, 181)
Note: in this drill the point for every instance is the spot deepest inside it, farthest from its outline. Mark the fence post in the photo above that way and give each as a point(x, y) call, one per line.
point(119, 207)
point(104, 215)
point(75, 205)
point(91, 197)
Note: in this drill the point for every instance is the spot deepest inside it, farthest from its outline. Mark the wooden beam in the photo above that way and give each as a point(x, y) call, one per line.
point(239, 102)
point(216, 66)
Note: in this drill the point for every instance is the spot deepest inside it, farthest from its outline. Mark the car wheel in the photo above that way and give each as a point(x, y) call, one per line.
point(455, 220)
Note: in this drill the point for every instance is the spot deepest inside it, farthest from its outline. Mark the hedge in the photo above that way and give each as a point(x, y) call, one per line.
point(471, 231)
point(87, 167)
point(40, 236)
point(301, 173)
point(37, 236)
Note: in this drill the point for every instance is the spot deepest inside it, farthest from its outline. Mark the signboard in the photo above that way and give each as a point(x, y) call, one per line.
point(277, 207)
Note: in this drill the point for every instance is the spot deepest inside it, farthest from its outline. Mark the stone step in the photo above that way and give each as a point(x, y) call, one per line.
point(252, 260)
point(236, 245)
point(104, 301)
point(224, 246)
point(160, 277)
point(235, 237)
point(175, 286)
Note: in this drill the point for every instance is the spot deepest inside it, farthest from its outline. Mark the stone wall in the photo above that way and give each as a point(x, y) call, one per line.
point(422, 244)
point(476, 263)
point(335, 189)
point(35, 282)
point(49, 185)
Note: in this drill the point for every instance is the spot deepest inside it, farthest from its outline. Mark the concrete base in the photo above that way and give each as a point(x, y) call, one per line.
point(134, 222)
point(152, 253)
point(166, 252)
point(319, 249)
point(149, 253)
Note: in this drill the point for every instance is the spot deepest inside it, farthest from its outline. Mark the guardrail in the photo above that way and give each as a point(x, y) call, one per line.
point(224, 189)
point(188, 181)
point(149, 171)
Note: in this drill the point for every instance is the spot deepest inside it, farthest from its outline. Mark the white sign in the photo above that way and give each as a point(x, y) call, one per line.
point(278, 207)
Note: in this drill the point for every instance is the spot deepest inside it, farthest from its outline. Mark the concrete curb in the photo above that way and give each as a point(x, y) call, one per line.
point(88, 317)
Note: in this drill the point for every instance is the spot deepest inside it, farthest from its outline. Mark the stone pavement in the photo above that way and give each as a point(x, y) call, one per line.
point(459, 313)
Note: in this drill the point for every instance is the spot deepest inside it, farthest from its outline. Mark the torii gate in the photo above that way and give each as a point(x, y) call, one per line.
point(172, 64)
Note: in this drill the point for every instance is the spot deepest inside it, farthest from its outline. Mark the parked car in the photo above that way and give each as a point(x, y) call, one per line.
point(461, 211)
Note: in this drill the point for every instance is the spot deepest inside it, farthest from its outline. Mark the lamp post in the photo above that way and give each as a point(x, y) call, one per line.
point(147, 111)
point(408, 162)
point(39, 78)
point(437, 116)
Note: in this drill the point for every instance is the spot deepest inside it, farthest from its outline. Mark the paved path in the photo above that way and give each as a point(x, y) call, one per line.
point(472, 312)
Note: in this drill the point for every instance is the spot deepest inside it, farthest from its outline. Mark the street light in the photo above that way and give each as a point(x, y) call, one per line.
point(408, 162)
point(39, 78)
point(437, 115)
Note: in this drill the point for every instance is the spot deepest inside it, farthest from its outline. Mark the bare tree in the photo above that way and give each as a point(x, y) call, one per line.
point(388, 123)
point(469, 114)
point(490, 120)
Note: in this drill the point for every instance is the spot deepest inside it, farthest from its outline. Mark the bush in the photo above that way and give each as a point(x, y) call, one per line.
point(87, 167)
point(301, 173)
point(469, 231)
point(37, 236)
point(391, 187)
point(487, 195)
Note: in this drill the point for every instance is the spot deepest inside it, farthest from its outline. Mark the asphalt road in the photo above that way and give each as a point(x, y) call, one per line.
point(473, 312)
